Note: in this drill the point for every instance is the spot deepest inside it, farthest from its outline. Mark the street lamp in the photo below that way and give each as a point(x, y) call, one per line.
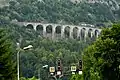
point(18, 62)
point(45, 66)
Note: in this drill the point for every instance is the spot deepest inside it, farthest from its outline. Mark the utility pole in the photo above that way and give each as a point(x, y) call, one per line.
point(18, 58)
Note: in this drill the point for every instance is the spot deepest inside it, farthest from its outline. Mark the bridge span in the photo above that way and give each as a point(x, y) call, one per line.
point(69, 31)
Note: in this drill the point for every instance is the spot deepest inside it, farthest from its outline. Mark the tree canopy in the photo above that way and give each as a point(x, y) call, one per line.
point(61, 11)
point(102, 59)
point(7, 66)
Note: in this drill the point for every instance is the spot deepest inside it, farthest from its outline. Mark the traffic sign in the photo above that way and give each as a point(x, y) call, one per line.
point(73, 68)
point(52, 69)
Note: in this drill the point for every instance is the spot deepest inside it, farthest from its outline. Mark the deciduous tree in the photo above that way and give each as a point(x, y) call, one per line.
point(102, 59)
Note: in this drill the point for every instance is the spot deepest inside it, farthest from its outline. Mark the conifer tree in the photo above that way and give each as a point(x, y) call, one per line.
point(7, 67)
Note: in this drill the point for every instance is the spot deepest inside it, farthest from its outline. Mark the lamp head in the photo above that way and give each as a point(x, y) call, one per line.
point(28, 47)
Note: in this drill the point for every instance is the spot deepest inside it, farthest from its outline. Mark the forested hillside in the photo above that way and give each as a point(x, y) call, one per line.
point(46, 51)
point(62, 11)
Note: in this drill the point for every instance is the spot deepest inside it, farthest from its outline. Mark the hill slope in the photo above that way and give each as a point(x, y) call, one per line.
point(64, 11)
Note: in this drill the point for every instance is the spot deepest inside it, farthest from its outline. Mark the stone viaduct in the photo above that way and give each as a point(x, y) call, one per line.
point(69, 31)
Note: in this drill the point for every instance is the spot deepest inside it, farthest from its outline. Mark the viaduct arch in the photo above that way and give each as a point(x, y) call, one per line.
point(63, 31)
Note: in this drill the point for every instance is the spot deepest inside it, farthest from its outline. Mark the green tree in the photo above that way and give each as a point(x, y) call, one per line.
point(7, 67)
point(102, 59)
point(33, 78)
point(77, 77)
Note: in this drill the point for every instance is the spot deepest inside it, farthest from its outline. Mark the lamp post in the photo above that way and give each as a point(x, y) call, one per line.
point(46, 67)
point(18, 65)
point(18, 60)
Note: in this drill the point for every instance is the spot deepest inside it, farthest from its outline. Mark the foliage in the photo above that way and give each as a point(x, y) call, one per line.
point(7, 66)
point(45, 51)
point(60, 11)
point(101, 60)
point(77, 77)
point(48, 52)
point(33, 78)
